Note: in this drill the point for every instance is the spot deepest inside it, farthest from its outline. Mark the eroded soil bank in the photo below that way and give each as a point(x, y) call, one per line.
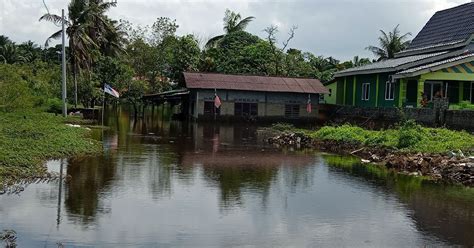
point(452, 168)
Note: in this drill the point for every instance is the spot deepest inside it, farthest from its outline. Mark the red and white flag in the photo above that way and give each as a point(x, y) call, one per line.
point(111, 91)
point(309, 108)
point(217, 101)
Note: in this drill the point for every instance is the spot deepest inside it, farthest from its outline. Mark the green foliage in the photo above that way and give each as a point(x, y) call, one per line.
point(28, 139)
point(283, 127)
point(464, 105)
point(409, 137)
point(390, 44)
point(410, 134)
point(24, 86)
point(54, 105)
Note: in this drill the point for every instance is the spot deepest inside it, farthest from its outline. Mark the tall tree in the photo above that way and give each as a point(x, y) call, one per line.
point(10, 54)
point(233, 22)
point(390, 44)
point(87, 29)
point(278, 52)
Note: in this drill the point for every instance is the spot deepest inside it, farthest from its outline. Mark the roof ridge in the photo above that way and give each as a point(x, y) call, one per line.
point(249, 75)
point(455, 7)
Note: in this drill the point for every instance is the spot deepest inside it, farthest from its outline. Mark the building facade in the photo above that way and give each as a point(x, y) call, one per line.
point(438, 63)
point(252, 97)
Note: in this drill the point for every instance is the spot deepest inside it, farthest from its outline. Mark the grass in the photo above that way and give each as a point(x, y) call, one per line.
point(465, 105)
point(27, 140)
point(408, 137)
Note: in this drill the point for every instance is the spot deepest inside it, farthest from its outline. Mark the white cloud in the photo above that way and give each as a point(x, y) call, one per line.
point(332, 28)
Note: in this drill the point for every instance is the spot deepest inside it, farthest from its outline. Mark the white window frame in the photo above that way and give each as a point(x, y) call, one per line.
point(365, 97)
point(389, 91)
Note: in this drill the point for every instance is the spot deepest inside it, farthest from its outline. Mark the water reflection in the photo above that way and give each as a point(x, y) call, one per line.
point(165, 183)
point(445, 211)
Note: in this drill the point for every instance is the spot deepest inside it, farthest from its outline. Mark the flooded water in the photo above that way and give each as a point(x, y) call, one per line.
point(170, 184)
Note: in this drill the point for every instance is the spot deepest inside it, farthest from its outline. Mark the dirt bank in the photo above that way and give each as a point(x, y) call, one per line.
point(454, 167)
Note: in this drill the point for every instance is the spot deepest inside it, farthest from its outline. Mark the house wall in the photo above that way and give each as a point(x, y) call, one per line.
point(351, 93)
point(332, 97)
point(269, 104)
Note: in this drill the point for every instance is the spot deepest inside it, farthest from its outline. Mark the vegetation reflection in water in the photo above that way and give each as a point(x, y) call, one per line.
point(436, 208)
point(223, 183)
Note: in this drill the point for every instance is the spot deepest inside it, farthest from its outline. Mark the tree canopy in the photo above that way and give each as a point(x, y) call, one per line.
point(138, 60)
point(390, 44)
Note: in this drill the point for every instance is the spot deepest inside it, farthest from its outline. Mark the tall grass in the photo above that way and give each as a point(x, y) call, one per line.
point(408, 137)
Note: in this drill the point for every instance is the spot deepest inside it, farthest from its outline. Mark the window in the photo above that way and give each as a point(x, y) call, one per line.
point(245, 109)
point(365, 91)
point(389, 90)
point(292, 111)
point(330, 92)
point(210, 109)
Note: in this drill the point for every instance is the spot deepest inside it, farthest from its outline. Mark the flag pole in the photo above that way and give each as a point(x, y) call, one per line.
point(103, 106)
point(215, 108)
point(63, 66)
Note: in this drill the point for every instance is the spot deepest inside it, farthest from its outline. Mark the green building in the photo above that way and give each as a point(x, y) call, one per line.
point(438, 63)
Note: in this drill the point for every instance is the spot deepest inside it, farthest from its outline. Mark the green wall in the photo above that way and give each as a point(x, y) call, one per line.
point(383, 78)
point(372, 80)
point(340, 91)
point(349, 86)
point(331, 98)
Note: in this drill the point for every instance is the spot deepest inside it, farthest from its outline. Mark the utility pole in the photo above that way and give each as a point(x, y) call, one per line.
point(64, 65)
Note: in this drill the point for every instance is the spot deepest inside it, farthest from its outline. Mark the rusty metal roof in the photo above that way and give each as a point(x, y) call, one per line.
point(253, 83)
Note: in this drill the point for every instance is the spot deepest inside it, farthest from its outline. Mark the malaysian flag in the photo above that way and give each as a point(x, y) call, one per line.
point(217, 101)
point(108, 89)
point(309, 108)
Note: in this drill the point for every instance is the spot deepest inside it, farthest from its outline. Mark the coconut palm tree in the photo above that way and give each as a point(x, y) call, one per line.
point(390, 44)
point(87, 27)
point(233, 22)
point(357, 61)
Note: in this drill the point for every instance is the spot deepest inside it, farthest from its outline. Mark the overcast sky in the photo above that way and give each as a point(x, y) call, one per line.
point(338, 28)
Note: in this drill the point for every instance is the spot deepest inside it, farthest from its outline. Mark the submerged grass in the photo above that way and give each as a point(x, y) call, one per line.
point(27, 140)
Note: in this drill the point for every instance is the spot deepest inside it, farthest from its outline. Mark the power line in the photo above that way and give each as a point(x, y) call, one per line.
point(47, 10)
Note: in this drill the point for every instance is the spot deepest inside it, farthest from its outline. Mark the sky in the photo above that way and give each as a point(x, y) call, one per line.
point(337, 28)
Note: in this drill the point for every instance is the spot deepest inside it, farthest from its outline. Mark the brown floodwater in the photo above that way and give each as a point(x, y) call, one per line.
point(164, 183)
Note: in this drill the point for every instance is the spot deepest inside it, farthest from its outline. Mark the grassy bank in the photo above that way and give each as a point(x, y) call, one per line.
point(409, 137)
point(27, 140)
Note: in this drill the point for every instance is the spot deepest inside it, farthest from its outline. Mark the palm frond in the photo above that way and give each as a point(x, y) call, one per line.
point(214, 41)
point(54, 36)
point(52, 18)
point(242, 25)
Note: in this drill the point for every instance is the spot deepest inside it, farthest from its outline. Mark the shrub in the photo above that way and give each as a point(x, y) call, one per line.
point(54, 105)
point(410, 134)
point(283, 126)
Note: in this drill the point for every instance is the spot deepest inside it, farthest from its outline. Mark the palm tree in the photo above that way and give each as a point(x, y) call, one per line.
point(390, 44)
point(357, 61)
point(10, 54)
point(233, 22)
point(4, 40)
point(86, 29)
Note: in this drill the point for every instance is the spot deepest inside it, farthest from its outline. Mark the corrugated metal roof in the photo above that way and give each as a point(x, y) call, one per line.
point(436, 64)
point(448, 26)
point(253, 83)
point(389, 64)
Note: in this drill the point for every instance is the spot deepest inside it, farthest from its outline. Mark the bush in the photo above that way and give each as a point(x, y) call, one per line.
point(410, 134)
point(283, 127)
point(54, 105)
point(409, 137)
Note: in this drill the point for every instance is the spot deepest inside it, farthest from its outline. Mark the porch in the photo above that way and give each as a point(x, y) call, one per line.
point(452, 79)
